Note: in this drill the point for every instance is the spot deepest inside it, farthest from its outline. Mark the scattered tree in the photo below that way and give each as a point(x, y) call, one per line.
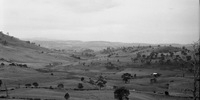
point(80, 85)
point(121, 94)
point(135, 75)
point(166, 93)
point(138, 55)
point(2, 64)
point(4, 42)
point(35, 84)
point(153, 80)
point(195, 67)
point(67, 96)
point(28, 85)
point(82, 78)
point(101, 82)
point(188, 58)
point(60, 86)
point(1, 83)
point(91, 81)
point(126, 77)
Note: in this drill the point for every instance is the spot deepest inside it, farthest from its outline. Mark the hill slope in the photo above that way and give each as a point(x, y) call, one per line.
point(16, 50)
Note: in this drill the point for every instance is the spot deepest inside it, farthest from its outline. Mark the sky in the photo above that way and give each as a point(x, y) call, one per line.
point(130, 21)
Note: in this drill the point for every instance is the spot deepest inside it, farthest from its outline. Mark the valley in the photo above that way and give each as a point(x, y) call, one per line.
point(32, 71)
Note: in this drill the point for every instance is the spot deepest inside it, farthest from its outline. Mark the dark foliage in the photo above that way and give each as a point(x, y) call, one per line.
point(35, 84)
point(121, 94)
point(67, 96)
point(126, 77)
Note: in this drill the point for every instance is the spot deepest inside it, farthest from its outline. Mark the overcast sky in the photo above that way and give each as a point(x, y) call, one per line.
point(146, 21)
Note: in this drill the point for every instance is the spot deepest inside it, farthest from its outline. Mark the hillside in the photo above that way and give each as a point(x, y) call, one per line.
point(15, 50)
point(32, 72)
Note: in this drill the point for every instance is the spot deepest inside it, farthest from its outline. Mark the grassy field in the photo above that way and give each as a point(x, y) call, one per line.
point(52, 67)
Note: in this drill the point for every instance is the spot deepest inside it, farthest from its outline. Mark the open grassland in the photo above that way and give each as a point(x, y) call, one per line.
point(23, 63)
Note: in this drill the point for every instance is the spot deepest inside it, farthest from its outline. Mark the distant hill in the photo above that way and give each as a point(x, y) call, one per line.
point(94, 45)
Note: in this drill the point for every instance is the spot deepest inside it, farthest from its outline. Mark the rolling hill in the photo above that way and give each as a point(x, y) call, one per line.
point(50, 66)
point(94, 45)
point(15, 50)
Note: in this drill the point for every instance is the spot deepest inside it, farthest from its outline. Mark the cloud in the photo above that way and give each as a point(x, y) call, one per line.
point(87, 6)
point(107, 20)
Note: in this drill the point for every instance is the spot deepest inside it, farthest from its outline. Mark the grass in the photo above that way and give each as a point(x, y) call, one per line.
point(68, 71)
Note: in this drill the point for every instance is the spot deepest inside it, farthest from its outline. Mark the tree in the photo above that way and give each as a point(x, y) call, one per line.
point(91, 81)
point(101, 82)
point(4, 42)
point(138, 55)
point(153, 80)
point(82, 78)
point(60, 86)
point(67, 96)
point(1, 83)
point(2, 64)
point(166, 93)
point(193, 66)
point(126, 77)
point(188, 58)
point(51, 74)
point(35, 84)
point(80, 85)
point(135, 75)
point(121, 94)
point(28, 85)
point(171, 54)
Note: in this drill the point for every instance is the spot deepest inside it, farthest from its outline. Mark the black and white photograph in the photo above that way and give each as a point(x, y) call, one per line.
point(99, 49)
